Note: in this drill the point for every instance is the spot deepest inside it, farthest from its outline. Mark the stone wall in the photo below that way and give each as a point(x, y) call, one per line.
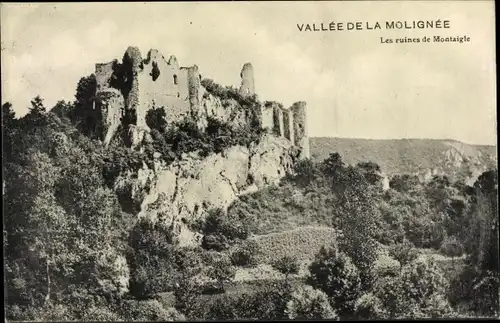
point(288, 125)
point(148, 83)
point(126, 91)
point(103, 73)
point(278, 127)
point(162, 85)
point(267, 117)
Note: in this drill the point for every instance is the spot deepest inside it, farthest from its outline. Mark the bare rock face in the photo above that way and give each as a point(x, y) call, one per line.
point(229, 112)
point(188, 188)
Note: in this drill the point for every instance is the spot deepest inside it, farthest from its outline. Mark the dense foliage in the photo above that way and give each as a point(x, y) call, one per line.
point(75, 250)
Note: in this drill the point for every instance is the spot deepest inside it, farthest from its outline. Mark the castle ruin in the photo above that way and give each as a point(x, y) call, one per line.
point(126, 91)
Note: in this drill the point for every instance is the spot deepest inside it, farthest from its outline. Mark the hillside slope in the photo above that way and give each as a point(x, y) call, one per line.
point(423, 156)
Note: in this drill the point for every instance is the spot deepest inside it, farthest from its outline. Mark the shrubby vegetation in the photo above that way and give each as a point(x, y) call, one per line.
point(74, 251)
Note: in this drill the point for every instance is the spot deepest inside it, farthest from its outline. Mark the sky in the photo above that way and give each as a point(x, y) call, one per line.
point(354, 85)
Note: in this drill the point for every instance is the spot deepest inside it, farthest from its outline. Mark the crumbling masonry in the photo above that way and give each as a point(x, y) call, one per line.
point(126, 91)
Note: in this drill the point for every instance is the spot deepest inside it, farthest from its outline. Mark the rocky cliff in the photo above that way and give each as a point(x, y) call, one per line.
point(186, 189)
point(180, 191)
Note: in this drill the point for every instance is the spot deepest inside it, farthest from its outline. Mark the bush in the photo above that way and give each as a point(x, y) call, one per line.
point(287, 265)
point(101, 314)
point(269, 303)
point(423, 278)
point(214, 242)
point(156, 119)
point(221, 270)
point(418, 292)
point(228, 93)
point(370, 307)
point(186, 291)
point(150, 310)
point(309, 303)
point(245, 254)
point(334, 273)
point(155, 72)
point(221, 230)
point(404, 253)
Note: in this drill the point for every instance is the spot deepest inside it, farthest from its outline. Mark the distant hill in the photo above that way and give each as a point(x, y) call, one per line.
point(416, 156)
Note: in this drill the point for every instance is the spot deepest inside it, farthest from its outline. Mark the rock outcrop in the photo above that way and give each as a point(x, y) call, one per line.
point(188, 188)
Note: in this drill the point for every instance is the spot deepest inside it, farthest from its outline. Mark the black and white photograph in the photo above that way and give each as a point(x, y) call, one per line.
point(258, 160)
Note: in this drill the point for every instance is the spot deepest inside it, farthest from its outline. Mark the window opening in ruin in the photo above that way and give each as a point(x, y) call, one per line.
point(175, 79)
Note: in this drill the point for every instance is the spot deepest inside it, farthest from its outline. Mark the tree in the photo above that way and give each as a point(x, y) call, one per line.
point(63, 109)
point(332, 164)
point(152, 260)
point(309, 303)
point(37, 106)
point(8, 130)
point(245, 254)
point(63, 225)
point(360, 220)
point(84, 117)
point(334, 273)
point(287, 265)
point(370, 307)
point(8, 114)
point(404, 183)
point(221, 270)
point(418, 292)
point(269, 303)
point(371, 172)
point(156, 119)
point(404, 253)
point(306, 171)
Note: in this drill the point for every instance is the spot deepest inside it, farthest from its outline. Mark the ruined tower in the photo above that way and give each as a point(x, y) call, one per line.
point(131, 68)
point(126, 91)
point(301, 137)
point(109, 102)
point(247, 87)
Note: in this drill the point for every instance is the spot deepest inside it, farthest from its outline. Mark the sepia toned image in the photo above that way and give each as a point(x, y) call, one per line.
point(226, 161)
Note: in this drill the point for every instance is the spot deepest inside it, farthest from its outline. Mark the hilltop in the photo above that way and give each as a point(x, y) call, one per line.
point(422, 156)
